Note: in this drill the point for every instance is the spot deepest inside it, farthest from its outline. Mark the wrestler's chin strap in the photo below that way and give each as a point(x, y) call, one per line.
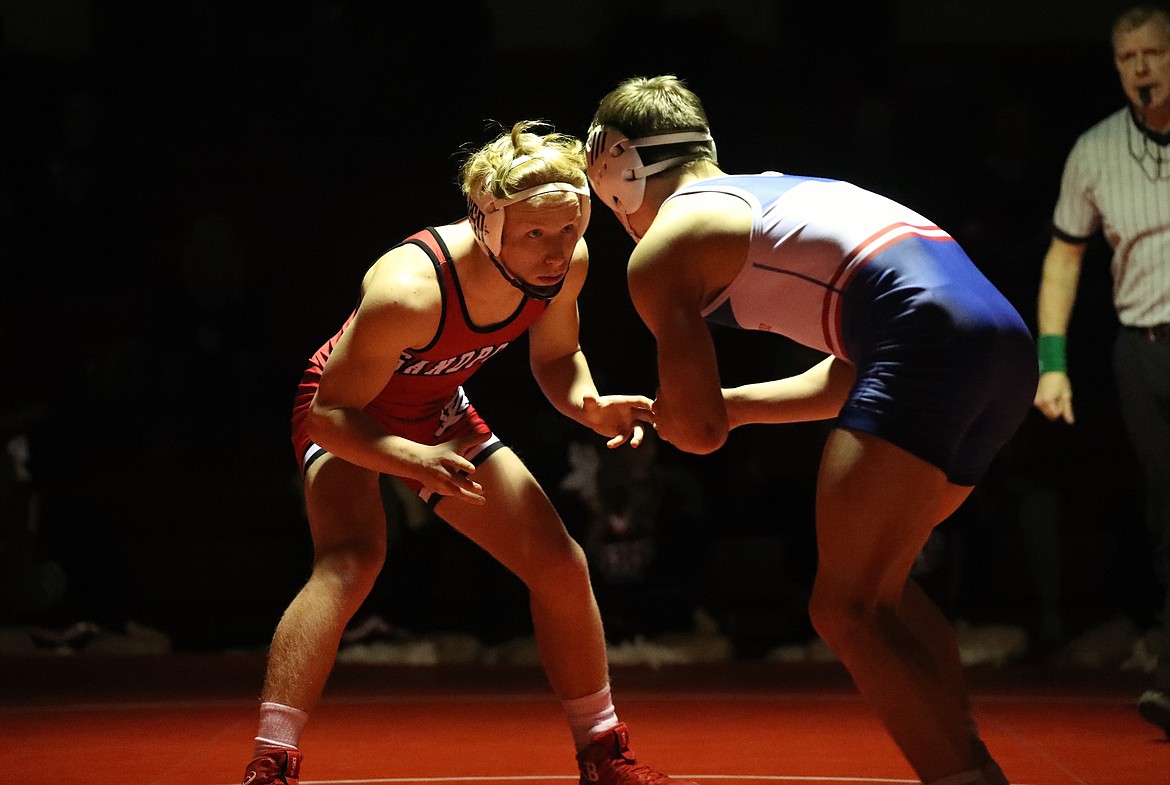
point(535, 292)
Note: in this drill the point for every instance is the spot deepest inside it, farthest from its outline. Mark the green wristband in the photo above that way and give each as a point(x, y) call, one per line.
point(1050, 350)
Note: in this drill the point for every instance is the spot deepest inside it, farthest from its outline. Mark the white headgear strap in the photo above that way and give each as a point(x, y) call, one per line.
point(487, 211)
point(616, 170)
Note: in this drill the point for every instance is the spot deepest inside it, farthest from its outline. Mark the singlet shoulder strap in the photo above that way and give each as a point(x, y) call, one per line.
point(433, 246)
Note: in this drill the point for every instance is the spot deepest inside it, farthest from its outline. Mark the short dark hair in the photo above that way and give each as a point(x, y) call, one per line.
point(649, 105)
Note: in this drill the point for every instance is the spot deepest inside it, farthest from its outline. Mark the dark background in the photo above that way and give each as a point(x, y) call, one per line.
point(191, 191)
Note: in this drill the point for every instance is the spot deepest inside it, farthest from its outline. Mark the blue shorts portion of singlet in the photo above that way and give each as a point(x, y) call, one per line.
point(946, 368)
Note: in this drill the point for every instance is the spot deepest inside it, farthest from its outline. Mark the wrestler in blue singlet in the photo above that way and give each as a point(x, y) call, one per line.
point(946, 368)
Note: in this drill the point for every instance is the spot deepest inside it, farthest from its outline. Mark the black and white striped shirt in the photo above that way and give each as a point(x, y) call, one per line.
point(1117, 179)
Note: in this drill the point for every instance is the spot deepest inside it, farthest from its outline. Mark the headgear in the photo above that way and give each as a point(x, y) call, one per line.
point(616, 170)
point(486, 214)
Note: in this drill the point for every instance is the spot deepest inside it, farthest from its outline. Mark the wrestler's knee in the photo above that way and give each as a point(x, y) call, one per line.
point(352, 565)
point(562, 575)
point(846, 621)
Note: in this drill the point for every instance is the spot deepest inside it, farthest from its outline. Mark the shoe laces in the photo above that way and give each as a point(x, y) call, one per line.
point(626, 770)
point(641, 773)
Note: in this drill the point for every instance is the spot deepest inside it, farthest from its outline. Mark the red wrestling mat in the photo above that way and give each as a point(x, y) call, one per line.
point(189, 719)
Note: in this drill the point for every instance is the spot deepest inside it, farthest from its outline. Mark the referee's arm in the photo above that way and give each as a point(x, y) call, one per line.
point(1058, 291)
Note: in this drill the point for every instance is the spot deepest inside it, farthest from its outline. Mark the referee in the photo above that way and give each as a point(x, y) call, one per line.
point(1117, 179)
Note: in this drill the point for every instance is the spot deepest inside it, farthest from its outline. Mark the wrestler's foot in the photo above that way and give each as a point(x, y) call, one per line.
point(1154, 706)
point(279, 767)
point(608, 760)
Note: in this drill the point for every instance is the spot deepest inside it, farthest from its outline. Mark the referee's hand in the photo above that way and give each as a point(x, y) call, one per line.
point(1054, 396)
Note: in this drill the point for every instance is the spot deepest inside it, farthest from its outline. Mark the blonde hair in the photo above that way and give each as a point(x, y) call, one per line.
point(520, 159)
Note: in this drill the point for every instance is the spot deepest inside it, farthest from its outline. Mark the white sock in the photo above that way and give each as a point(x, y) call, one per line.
point(590, 715)
point(280, 728)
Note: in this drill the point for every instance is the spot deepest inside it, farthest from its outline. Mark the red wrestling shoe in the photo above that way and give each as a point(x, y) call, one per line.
point(280, 767)
point(608, 760)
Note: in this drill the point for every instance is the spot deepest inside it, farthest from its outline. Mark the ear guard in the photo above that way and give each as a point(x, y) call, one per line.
point(486, 215)
point(616, 170)
point(487, 212)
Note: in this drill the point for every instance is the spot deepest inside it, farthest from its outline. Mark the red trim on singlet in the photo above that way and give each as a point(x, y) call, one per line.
point(831, 312)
